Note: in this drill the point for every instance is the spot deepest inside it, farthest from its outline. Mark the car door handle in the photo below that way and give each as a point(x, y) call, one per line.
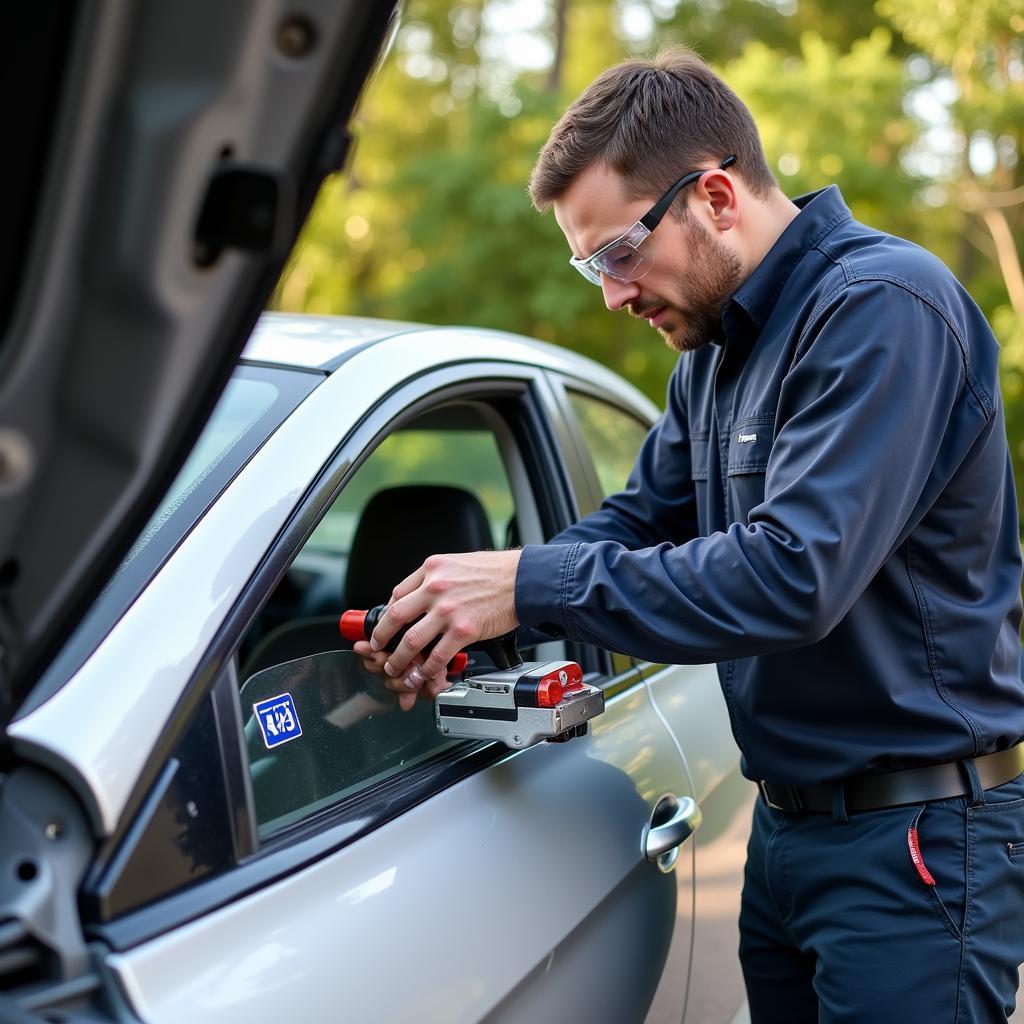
point(663, 838)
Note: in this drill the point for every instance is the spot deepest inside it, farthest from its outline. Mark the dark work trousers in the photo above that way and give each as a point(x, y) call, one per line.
point(867, 921)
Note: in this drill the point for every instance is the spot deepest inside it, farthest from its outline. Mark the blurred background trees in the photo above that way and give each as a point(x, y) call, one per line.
point(915, 107)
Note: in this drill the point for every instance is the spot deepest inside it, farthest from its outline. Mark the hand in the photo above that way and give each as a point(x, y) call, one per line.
point(461, 598)
point(373, 661)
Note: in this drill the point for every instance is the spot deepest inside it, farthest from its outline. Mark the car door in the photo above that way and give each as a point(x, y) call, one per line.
point(689, 699)
point(607, 430)
point(381, 872)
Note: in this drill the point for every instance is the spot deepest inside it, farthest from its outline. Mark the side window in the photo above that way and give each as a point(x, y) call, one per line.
point(318, 726)
point(612, 436)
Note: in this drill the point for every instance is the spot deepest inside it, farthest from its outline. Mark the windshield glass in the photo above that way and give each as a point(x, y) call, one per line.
point(256, 400)
point(243, 405)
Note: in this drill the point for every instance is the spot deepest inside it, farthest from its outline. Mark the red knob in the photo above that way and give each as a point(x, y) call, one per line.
point(549, 692)
point(352, 624)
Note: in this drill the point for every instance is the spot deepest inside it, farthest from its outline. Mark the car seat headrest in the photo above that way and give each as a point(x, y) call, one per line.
point(400, 527)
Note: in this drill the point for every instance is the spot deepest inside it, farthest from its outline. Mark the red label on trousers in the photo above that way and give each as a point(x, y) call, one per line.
point(915, 856)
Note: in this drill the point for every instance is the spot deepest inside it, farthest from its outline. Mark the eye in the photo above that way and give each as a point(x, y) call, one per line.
point(622, 257)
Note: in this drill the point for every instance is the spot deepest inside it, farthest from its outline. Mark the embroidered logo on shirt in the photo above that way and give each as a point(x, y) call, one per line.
point(746, 438)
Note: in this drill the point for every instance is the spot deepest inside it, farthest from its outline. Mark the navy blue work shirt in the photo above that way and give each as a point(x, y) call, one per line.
point(826, 509)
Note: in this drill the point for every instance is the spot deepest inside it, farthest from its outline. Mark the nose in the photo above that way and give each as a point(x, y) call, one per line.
point(618, 293)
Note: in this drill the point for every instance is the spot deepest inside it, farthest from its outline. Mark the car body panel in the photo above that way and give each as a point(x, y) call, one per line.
point(316, 342)
point(689, 699)
point(512, 891)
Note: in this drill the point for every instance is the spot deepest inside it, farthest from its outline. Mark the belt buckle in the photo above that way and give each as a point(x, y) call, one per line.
point(792, 791)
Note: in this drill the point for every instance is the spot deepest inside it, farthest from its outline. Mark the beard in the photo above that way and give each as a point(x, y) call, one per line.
point(715, 274)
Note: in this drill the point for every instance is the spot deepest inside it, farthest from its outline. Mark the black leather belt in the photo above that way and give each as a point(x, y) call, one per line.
point(893, 789)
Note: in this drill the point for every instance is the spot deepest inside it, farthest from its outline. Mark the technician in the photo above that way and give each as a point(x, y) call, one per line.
point(826, 510)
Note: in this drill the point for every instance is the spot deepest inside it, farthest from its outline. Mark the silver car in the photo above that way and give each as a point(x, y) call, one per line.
point(368, 869)
point(179, 530)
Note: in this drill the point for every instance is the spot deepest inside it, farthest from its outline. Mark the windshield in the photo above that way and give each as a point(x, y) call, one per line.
point(255, 402)
point(243, 405)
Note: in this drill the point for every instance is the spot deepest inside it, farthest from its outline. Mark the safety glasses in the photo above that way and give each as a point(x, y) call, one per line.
point(622, 258)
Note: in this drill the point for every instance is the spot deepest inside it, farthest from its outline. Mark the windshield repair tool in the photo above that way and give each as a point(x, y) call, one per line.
point(514, 702)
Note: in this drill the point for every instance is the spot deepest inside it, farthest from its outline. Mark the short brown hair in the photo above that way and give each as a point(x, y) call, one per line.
point(651, 121)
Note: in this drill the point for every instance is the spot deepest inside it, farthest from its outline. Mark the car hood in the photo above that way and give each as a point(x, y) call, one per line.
point(161, 159)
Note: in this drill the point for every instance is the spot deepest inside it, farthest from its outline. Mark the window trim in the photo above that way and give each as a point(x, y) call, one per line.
point(559, 385)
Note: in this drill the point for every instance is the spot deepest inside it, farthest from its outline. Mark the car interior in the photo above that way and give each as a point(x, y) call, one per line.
point(441, 483)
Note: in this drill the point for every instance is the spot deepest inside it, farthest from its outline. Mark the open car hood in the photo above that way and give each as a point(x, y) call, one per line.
point(161, 159)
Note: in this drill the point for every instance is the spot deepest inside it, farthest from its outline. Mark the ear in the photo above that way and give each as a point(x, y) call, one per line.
point(717, 195)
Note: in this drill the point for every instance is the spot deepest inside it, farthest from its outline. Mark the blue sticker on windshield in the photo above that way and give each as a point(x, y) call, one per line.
point(279, 722)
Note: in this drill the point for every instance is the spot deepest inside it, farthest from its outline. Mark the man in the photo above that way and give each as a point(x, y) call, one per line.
point(826, 510)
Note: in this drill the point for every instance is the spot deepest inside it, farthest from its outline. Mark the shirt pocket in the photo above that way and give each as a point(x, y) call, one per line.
point(750, 445)
point(699, 476)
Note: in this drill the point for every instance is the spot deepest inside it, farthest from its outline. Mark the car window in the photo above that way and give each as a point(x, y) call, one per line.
point(319, 727)
point(612, 436)
point(322, 728)
point(421, 456)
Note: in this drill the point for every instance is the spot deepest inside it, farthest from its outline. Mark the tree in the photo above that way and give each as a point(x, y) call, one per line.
point(915, 107)
point(976, 47)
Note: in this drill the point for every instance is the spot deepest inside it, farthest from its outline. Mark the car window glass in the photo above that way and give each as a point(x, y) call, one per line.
point(242, 406)
point(323, 728)
point(439, 484)
point(612, 436)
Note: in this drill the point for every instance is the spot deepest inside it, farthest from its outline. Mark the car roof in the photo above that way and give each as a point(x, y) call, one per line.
point(312, 342)
point(316, 342)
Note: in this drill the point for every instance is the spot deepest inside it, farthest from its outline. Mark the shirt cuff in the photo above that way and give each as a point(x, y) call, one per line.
point(543, 579)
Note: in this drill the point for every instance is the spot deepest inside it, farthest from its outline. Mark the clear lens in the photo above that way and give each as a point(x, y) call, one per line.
point(620, 259)
point(620, 262)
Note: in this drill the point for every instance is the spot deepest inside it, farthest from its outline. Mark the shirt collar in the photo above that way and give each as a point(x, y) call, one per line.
point(746, 313)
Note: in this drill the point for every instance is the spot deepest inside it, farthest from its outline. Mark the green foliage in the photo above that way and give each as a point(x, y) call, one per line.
point(853, 132)
point(915, 107)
